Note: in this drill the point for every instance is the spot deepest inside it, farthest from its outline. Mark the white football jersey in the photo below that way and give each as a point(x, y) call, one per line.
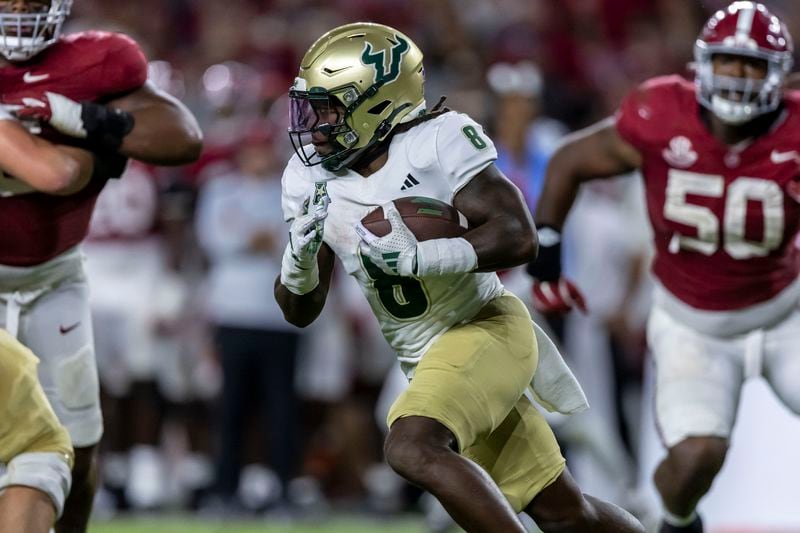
point(435, 159)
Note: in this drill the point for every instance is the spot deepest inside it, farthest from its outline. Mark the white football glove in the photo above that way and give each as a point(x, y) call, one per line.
point(305, 234)
point(102, 126)
point(64, 114)
point(396, 252)
point(299, 271)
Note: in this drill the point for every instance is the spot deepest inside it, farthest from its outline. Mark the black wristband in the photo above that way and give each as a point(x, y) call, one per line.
point(547, 265)
point(105, 126)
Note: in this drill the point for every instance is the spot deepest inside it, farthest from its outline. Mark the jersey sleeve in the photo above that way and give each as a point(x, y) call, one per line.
point(124, 65)
point(295, 188)
point(462, 149)
point(648, 111)
point(630, 117)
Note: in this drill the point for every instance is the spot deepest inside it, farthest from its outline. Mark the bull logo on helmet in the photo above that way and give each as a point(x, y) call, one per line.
point(378, 60)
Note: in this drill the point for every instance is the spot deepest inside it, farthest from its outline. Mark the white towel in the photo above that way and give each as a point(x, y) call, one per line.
point(554, 386)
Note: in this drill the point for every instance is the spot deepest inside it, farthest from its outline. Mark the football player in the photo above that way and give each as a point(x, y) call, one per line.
point(721, 169)
point(33, 444)
point(464, 429)
point(89, 90)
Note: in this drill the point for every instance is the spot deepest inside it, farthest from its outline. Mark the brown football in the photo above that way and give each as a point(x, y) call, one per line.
point(427, 218)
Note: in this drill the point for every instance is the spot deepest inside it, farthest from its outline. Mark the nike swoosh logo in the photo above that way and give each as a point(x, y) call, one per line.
point(29, 77)
point(66, 330)
point(784, 157)
point(332, 71)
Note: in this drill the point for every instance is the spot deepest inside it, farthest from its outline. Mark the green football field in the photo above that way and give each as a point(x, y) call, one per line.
point(192, 525)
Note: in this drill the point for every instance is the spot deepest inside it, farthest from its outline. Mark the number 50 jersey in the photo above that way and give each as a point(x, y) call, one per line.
point(436, 158)
point(724, 217)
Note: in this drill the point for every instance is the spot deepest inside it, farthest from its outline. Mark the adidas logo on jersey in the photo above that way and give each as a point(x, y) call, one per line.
point(410, 182)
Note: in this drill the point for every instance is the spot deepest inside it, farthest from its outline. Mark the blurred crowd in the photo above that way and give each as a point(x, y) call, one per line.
point(212, 401)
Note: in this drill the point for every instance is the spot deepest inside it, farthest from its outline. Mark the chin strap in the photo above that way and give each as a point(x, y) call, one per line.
point(371, 152)
point(377, 146)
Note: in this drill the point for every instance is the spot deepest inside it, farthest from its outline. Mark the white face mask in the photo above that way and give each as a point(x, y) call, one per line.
point(738, 100)
point(733, 113)
point(23, 35)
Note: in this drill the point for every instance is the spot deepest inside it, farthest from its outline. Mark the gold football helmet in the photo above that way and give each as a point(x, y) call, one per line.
point(356, 83)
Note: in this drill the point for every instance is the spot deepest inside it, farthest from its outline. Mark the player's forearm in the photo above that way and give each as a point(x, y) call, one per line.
point(561, 186)
point(42, 165)
point(596, 152)
point(165, 133)
point(503, 242)
point(85, 163)
point(300, 310)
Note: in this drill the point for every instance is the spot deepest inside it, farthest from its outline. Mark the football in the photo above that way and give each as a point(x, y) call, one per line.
point(427, 218)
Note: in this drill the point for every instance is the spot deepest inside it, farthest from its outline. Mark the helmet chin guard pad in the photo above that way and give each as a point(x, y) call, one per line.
point(23, 35)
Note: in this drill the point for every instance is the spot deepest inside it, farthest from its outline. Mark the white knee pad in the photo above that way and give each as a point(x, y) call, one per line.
point(48, 472)
point(76, 379)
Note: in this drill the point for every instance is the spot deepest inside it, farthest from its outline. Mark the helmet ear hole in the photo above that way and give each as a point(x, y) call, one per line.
point(377, 109)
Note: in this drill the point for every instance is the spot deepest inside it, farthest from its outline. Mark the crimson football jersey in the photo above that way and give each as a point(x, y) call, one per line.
point(95, 66)
point(724, 217)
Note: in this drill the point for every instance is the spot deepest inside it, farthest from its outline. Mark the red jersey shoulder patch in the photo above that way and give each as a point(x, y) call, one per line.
point(647, 116)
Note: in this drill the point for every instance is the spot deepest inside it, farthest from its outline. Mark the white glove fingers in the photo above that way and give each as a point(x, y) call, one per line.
point(548, 292)
point(308, 222)
point(563, 290)
point(391, 214)
point(366, 235)
point(65, 115)
point(320, 214)
point(304, 240)
point(304, 227)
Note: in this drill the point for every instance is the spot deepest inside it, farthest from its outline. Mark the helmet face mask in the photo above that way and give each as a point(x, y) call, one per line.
point(23, 35)
point(749, 31)
point(317, 112)
point(356, 83)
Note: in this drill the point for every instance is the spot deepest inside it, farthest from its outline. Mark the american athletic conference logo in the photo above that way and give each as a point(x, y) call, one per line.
point(680, 153)
point(385, 73)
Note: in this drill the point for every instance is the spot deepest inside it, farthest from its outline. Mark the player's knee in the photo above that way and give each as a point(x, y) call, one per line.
point(561, 506)
point(695, 461)
point(569, 516)
point(413, 446)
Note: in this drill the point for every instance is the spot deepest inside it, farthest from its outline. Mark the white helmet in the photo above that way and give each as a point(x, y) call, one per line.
point(23, 35)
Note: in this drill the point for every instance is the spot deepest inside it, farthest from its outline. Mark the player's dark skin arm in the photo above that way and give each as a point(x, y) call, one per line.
point(503, 233)
point(303, 310)
point(594, 152)
point(165, 132)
